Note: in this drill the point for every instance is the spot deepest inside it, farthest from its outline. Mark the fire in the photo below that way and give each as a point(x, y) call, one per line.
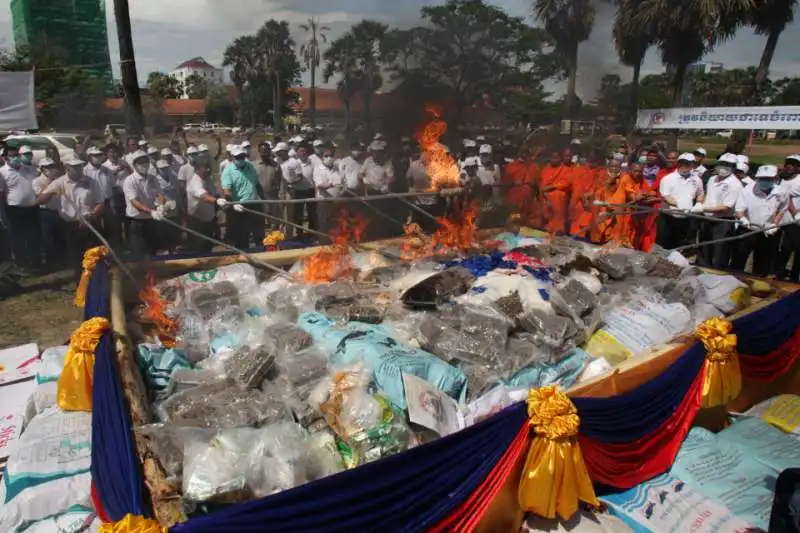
point(155, 311)
point(413, 242)
point(329, 263)
point(460, 232)
point(441, 166)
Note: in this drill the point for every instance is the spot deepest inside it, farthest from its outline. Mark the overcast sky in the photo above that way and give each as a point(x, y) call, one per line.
point(166, 33)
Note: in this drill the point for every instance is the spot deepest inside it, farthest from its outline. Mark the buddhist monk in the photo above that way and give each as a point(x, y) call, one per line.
point(584, 183)
point(555, 186)
point(648, 190)
point(522, 176)
point(613, 222)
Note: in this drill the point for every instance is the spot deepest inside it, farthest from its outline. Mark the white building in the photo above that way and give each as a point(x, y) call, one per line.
point(201, 67)
point(706, 68)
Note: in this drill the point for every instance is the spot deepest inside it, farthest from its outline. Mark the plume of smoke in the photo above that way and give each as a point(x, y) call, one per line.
point(597, 56)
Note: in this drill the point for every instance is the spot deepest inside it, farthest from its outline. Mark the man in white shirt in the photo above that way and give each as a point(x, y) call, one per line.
point(114, 214)
point(318, 150)
point(488, 173)
point(722, 192)
point(228, 158)
point(470, 149)
point(142, 198)
point(789, 178)
point(350, 167)
point(299, 186)
point(761, 206)
point(21, 210)
point(377, 175)
point(269, 179)
point(202, 202)
point(81, 199)
point(680, 190)
point(27, 167)
point(330, 184)
point(469, 173)
point(420, 181)
point(700, 155)
point(743, 173)
point(49, 221)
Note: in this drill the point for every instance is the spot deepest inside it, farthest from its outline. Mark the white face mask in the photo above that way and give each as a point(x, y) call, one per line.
point(96, 160)
point(141, 168)
point(74, 173)
point(357, 153)
point(723, 172)
point(327, 161)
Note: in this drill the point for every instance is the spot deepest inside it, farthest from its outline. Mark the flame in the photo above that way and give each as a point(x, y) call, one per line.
point(155, 311)
point(441, 166)
point(329, 263)
point(413, 242)
point(460, 232)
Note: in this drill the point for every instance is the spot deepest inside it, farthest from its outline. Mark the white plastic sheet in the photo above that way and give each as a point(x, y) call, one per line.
point(17, 103)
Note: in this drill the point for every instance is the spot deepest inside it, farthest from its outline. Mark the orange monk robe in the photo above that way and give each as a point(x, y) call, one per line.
point(584, 182)
point(616, 228)
point(647, 224)
point(556, 200)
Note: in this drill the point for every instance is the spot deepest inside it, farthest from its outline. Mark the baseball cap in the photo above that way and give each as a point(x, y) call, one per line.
point(742, 159)
point(166, 151)
point(471, 162)
point(485, 149)
point(152, 150)
point(317, 142)
point(687, 157)
point(246, 144)
point(192, 150)
point(700, 150)
point(743, 167)
point(46, 162)
point(794, 157)
point(469, 143)
point(237, 150)
point(202, 148)
point(728, 158)
point(281, 147)
point(143, 143)
point(767, 171)
point(137, 155)
point(377, 146)
point(162, 164)
point(72, 161)
point(94, 150)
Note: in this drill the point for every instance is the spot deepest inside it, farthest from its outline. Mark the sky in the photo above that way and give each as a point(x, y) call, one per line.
point(165, 33)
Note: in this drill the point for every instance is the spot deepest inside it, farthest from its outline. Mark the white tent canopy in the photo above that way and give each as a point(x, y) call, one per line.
point(720, 118)
point(17, 103)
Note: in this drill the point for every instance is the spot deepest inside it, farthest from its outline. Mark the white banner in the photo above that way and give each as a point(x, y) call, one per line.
point(720, 118)
point(17, 104)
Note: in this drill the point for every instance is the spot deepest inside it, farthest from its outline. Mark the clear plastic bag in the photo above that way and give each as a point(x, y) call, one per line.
point(438, 289)
point(616, 265)
point(479, 380)
point(572, 299)
point(278, 460)
point(286, 338)
point(216, 470)
point(249, 366)
point(303, 369)
point(166, 441)
point(551, 331)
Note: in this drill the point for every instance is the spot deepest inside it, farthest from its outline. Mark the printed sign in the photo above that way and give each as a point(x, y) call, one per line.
point(428, 406)
point(18, 363)
point(720, 118)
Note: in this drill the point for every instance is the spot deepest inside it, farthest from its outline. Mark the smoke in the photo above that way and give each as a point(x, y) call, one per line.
point(597, 56)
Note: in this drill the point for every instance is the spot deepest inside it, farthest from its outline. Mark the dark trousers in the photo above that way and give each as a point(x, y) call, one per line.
point(145, 237)
point(790, 246)
point(197, 244)
point(244, 226)
point(714, 255)
point(111, 224)
point(53, 238)
point(78, 238)
point(23, 225)
point(764, 250)
point(298, 209)
point(672, 232)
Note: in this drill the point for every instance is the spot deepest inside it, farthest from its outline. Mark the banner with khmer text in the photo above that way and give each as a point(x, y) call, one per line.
point(720, 118)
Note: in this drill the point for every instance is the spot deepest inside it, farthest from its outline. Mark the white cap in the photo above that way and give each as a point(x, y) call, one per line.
point(405, 139)
point(25, 149)
point(162, 164)
point(46, 162)
point(292, 153)
point(229, 147)
point(793, 157)
point(246, 144)
point(192, 150)
point(152, 150)
point(72, 161)
point(743, 167)
point(378, 137)
point(469, 143)
point(317, 142)
point(138, 154)
point(281, 147)
point(377, 146)
point(485, 149)
point(700, 150)
point(143, 143)
point(94, 150)
point(237, 150)
point(202, 148)
point(480, 138)
point(742, 159)
point(767, 171)
point(575, 141)
point(728, 158)
point(471, 162)
point(166, 151)
point(687, 157)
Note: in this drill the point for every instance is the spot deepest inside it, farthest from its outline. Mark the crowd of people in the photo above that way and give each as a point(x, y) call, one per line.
point(144, 200)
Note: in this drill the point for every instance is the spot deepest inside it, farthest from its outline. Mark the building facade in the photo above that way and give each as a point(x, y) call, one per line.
point(74, 31)
point(197, 65)
point(705, 68)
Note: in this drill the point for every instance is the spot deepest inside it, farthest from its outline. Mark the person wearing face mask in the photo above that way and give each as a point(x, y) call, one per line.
point(468, 178)
point(679, 190)
point(49, 220)
point(330, 184)
point(202, 201)
point(248, 149)
point(81, 201)
point(722, 192)
point(789, 178)
point(610, 223)
point(143, 195)
point(240, 184)
point(761, 205)
point(228, 158)
point(106, 180)
point(118, 227)
point(296, 185)
point(21, 210)
point(172, 190)
point(470, 149)
point(419, 180)
point(377, 175)
point(26, 157)
point(270, 181)
point(742, 172)
point(350, 166)
point(555, 188)
point(318, 147)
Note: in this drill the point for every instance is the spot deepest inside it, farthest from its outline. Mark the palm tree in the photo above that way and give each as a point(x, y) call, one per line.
point(770, 18)
point(341, 60)
point(686, 30)
point(311, 54)
point(241, 56)
point(632, 42)
point(369, 38)
point(569, 23)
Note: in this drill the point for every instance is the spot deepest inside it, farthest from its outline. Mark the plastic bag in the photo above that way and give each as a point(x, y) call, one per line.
point(480, 379)
point(617, 265)
point(249, 366)
point(303, 369)
point(549, 331)
point(572, 299)
point(167, 441)
point(214, 470)
point(279, 459)
point(45, 394)
point(157, 364)
point(726, 293)
point(436, 290)
point(564, 373)
point(450, 344)
point(77, 519)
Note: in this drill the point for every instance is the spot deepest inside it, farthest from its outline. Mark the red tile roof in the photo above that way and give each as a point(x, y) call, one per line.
point(196, 62)
point(171, 107)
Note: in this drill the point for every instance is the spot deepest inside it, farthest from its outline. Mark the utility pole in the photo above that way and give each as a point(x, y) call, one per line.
point(130, 81)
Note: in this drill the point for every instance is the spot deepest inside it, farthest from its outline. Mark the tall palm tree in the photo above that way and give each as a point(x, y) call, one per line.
point(341, 59)
point(241, 56)
point(569, 23)
point(369, 38)
point(632, 42)
point(686, 30)
point(770, 18)
point(311, 54)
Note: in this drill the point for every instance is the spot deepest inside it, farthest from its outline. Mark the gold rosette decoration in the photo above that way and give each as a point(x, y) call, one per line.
point(133, 524)
point(91, 257)
point(75, 382)
point(723, 378)
point(274, 238)
point(555, 476)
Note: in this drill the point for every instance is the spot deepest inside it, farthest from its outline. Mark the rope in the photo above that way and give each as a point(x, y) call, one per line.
point(729, 239)
point(642, 209)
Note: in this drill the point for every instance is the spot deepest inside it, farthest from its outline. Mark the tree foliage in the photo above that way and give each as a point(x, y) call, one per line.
point(197, 87)
point(164, 86)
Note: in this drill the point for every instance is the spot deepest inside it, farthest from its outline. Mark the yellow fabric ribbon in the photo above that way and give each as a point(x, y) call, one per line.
point(133, 524)
point(91, 257)
point(75, 382)
point(274, 238)
point(723, 379)
point(555, 476)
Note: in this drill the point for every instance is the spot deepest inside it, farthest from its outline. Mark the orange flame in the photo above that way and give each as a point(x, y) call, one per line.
point(155, 311)
point(458, 233)
point(329, 263)
point(441, 166)
point(413, 242)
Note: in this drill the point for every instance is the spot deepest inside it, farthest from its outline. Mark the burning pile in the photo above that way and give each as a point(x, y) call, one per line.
point(441, 166)
point(155, 311)
point(330, 263)
point(458, 233)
